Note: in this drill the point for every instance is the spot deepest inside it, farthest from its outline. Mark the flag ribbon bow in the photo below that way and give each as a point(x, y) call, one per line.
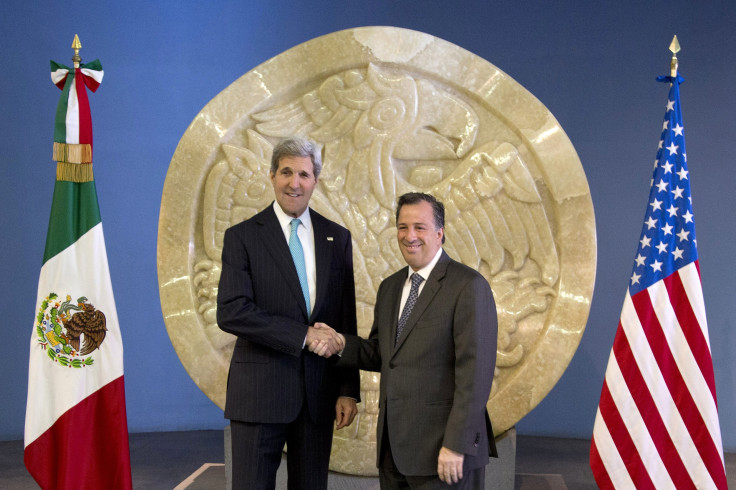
point(669, 79)
point(73, 124)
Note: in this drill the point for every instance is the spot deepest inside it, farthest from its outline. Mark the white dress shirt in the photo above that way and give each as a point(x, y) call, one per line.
point(305, 232)
point(424, 272)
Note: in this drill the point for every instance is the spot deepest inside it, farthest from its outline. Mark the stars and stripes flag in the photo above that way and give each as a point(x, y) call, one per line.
point(657, 421)
point(76, 430)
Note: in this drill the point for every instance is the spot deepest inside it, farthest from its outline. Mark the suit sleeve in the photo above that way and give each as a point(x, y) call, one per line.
point(364, 353)
point(475, 330)
point(238, 314)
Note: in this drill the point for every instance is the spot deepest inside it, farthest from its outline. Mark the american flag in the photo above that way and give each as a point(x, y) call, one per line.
point(657, 419)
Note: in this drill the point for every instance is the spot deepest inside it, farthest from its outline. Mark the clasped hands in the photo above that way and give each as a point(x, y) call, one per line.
point(323, 340)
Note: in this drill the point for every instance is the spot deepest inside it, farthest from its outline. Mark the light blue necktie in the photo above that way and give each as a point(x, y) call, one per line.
point(297, 253)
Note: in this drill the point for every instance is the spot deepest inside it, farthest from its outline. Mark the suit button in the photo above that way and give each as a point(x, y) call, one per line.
point(391, 365)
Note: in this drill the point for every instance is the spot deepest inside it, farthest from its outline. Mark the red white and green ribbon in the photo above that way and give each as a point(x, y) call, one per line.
point(73, 124)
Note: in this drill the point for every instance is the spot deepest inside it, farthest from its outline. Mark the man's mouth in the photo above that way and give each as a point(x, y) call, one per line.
point(413, 247)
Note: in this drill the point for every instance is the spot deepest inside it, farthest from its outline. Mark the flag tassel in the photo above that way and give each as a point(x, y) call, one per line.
point(74, 172)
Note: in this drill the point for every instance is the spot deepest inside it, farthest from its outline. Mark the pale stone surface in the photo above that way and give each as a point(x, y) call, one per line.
point(395, 111)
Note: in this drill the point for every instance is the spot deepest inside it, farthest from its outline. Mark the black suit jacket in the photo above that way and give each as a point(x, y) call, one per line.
point(436, 379)
point(261, 302)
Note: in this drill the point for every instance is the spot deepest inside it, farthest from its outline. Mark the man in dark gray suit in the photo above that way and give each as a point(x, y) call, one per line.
point(434, 341)
point(285, 272)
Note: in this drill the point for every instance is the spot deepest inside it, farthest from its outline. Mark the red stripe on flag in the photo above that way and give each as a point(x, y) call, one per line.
point(647, 407)
point(599, 470)
point(691, 328)
point(622, 440)
point(87, 447)
point(683, 398)
point(85, 118)
point(698, 344)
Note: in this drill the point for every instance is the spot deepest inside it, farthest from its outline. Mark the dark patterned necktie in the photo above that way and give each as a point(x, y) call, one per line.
point(416, 280)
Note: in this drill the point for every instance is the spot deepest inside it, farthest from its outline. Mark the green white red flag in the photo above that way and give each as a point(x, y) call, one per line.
point(76, 430)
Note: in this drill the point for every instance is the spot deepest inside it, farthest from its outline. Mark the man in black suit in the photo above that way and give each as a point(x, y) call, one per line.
point(434, 341)
point(285, 272)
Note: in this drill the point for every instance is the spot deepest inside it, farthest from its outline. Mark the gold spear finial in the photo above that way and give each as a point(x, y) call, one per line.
point(76, 46)
point(674, 47)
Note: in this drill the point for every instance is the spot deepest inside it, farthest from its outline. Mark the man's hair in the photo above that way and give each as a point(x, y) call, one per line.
point(438, 209)
point(297, 147)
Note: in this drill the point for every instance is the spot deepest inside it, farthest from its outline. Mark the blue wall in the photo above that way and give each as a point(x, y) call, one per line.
point(593, 64)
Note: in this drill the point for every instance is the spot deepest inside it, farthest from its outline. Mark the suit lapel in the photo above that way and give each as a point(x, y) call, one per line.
point(323, 243)
point(431, 288)
point(275, 242)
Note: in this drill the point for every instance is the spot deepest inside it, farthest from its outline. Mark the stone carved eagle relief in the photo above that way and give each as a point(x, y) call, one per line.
point(386, 129)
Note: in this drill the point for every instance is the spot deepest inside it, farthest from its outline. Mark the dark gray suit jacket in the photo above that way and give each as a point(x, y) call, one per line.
point(436, 379)
point(261, 302)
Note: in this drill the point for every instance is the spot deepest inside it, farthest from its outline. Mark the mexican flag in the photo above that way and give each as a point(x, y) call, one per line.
point(76, 430)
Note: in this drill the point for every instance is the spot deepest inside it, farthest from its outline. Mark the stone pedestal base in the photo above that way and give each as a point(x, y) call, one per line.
point(500, 472)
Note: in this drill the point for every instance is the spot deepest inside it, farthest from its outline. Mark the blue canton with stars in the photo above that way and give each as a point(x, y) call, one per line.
point(668, 235)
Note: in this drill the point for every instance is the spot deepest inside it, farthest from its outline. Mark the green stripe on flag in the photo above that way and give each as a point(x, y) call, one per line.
point(61, 109)
point(74, 211)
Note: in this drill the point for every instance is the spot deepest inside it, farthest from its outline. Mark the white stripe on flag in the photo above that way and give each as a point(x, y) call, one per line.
point(79, 270)
point(657, 386)
point(635, 424)
point(72, 115)
point(694, 290)
point(610, 456)
point(686, 363)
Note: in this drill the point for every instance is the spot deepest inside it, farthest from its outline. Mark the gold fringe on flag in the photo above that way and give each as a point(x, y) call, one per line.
point(72, 153)
point(74, 172)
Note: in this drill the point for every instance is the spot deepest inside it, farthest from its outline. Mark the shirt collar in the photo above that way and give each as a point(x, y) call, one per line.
point(427, 269)
point(285, 219)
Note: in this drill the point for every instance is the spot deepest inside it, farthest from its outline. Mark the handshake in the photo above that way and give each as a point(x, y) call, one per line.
point(324, 341)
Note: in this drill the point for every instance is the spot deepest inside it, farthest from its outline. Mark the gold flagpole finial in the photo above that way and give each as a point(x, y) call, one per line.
point(76, 46)
point(675, 48)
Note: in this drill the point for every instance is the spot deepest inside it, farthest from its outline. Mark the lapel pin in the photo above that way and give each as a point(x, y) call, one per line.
point(329, 239)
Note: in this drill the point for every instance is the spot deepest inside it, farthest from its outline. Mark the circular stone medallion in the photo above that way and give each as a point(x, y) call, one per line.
point(394, 111)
